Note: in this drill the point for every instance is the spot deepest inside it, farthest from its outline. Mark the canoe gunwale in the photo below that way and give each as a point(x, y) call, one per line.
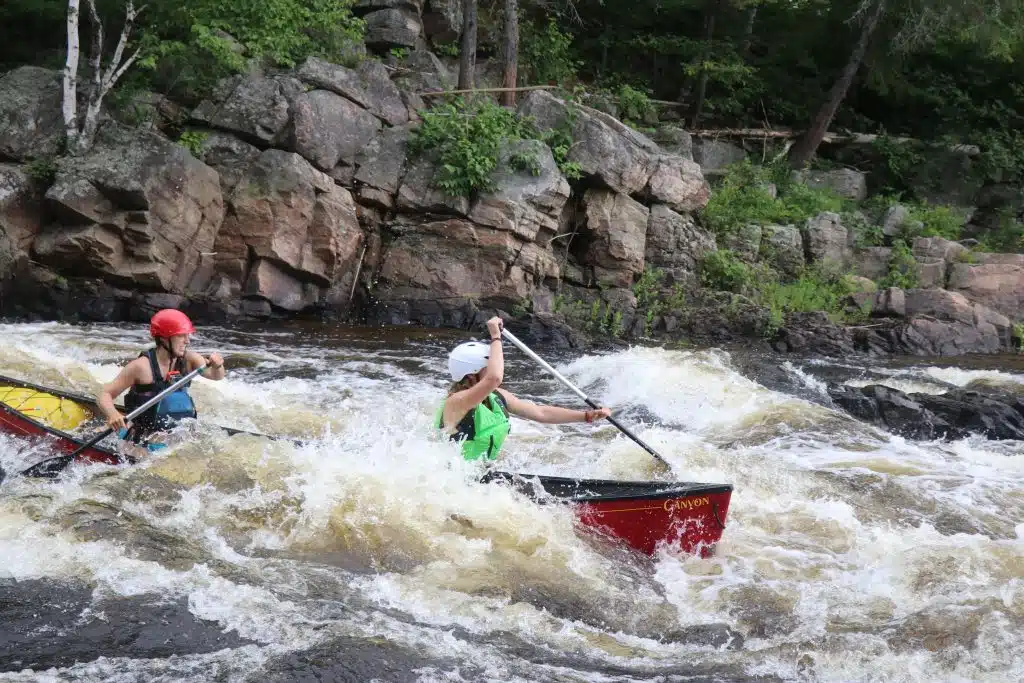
point(51, 431)
point(656, 491)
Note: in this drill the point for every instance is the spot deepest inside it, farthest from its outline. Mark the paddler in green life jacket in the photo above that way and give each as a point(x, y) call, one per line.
point(153, 371)
point(476, 410)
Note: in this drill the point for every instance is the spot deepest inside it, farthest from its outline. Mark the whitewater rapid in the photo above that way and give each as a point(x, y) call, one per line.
point(849, 554)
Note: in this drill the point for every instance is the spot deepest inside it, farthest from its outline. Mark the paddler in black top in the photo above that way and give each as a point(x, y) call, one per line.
point(153, 371)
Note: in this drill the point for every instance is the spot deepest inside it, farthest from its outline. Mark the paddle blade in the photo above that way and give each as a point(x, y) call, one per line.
point(49, 469)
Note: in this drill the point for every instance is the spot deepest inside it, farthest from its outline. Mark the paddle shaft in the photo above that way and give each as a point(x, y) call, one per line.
point(576, 390)
point(53, 465)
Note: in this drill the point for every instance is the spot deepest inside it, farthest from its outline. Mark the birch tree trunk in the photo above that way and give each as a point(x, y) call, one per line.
point(69, 103)
point(81, 137)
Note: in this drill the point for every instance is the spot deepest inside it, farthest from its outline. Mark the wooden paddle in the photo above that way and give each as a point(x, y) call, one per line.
point(593, 404)
point(52, 467)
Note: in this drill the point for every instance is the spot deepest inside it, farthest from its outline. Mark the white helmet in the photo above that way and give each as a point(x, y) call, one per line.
point(467, 358)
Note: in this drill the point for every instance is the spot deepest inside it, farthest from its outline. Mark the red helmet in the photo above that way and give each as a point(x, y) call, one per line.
point(169, 322)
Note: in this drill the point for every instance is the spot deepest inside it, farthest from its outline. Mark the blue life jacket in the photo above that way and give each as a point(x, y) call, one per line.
point(177, 405)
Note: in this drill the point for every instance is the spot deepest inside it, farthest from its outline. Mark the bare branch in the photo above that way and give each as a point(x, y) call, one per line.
point(70, 82)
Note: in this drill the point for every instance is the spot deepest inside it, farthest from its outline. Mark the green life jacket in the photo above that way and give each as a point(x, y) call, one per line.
point(483, 429)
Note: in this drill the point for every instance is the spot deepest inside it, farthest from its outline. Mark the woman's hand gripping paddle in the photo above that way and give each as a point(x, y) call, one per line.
point(541, 362)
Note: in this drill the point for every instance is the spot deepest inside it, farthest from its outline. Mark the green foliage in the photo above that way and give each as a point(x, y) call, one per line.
point(193, 140)
point(1018, 334)
point(597, 318)
point(451, 49)
point(525, 161)
point(187, 47)
point(399, 53)
point(545, 53)
point(723, 271)
point(635, 106)
point(938, 221)
point(903, 270)
point(743, 199)
point(42, 170)
point(466, 139)
point(816, 289)
point(1006, 236)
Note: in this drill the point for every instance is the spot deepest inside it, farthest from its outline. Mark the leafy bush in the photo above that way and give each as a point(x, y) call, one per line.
point(187, 47)
point(723, 271)
point(466, 139)
point(903, 269)
point(743, 198)
point(1006, 236)
point(193, 140)
point(938, 221)
point(545, 53)
point(816, 289)
point(635, 106)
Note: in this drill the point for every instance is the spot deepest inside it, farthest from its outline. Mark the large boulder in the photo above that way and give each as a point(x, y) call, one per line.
point(679, 183)
point(228, 155)
point(715, 156)
point(442, 20)
point(269, 282)
point(894, 410)
point(616, 231)
point(424, 72)
point(845, 182)
point(419, 192)
point(430, 271)
point(389, 28)
point(524, 201)
point(894, 219)
point(294, 218)
point(783, 247)
point(745, 242)
point(872, 262)
point(31, 122)
point(619, 157)
point(938, 248)
point(20, 207)
point(256, 108)
point(328, 128)
point(380, 167)
point(676, 244)
point(137, 210)
point(951, 415)
point(369, 86)
point(997, 281)
point(827, 240)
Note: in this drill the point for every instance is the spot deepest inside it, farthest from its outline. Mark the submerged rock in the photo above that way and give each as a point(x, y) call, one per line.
point(952, 415)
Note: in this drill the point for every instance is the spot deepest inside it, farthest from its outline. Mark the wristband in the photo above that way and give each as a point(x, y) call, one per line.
point(495, 339)
point(588, 415)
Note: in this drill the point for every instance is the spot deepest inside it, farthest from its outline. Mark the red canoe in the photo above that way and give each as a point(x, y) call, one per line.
point(15, 422)
point(646, 515)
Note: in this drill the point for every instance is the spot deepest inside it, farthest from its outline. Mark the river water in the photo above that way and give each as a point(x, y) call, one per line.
point(369, 552)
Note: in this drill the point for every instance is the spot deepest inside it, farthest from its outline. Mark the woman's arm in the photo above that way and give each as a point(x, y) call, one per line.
point(110, 391)
point(214, 365)
point(550, 414)
point(461, 402)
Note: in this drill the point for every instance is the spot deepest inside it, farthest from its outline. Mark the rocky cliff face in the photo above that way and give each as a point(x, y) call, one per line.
point(298, 197)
